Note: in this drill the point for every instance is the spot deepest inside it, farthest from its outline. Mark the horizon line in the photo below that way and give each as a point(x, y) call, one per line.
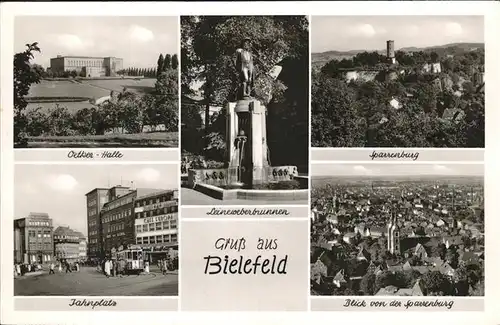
point(399, 49)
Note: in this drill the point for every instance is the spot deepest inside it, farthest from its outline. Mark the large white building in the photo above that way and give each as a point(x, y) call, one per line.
point(91, 66)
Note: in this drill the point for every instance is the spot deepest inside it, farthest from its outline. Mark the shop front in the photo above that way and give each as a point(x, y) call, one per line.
point(154, 254)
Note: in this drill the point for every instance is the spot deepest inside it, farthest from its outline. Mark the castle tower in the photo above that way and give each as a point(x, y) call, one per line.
point(391, 56)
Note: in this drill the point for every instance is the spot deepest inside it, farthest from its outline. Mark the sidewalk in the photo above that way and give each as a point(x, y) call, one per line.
point(30, 274)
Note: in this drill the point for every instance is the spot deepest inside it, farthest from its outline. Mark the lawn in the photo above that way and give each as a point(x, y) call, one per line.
point(89, 88)
point(139, 86)
point(66, 88)
point(84, 88)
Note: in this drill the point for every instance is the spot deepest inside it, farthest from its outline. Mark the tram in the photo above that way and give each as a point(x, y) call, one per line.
point(133, 257)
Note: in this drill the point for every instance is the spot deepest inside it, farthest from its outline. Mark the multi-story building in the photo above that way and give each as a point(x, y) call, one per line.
point(66, 244)
point(111, 224)
point(91, 66)
point(95, 201)
point(33, 241)
point(82, 247)
point(156, 226)
point(117, 219)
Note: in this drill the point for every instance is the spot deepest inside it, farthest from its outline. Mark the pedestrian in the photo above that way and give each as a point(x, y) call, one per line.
point(115, 268)
point(111, 268)
point(146, 267)
point(52, 266)
point(165, 267)
point(59, 266)
point(107, 268)
point(122, 266)
point(68, 267)
point(77, 266)
point(18, 269)
point(118, 268)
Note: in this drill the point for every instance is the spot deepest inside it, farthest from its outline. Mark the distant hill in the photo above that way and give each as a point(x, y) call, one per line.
point(318, 181)
point(320, 59)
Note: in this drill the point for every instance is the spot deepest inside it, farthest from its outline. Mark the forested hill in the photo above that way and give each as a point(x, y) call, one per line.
point(320, 59)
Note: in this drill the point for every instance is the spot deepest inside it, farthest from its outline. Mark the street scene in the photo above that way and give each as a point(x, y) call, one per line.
point(121, 239)
point(89, 281)
point(398, 230)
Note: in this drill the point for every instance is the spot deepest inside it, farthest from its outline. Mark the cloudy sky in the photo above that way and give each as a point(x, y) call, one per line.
point(59, 190)
point(138, 40)
point(397, 169)
point(344, 33)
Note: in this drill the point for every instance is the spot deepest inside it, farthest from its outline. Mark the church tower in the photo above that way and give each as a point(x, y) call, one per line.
point(393, 240)
point(389, 234)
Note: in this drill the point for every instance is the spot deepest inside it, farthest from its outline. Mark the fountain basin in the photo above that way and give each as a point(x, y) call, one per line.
point(276, 183)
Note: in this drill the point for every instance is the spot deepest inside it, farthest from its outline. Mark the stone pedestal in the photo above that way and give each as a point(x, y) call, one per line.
point(249, 116)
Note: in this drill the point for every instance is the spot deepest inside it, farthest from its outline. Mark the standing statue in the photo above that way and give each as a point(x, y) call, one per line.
point(244, 65)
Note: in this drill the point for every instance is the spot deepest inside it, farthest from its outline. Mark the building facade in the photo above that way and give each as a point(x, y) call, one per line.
point(110, 215)
point(117, 219)
point(66, 244)
point(156, 224)
point(82, 247)
point(95, 201)
point(33, 239)
point(91, 66)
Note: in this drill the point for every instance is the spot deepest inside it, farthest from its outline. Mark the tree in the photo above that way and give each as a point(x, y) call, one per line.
point(159, 67)
point(452, 256)
point(434, 57)
point(167, 62)
point(383, 279)
point(175, 61)
point(24, 77)
point(59, 121)
point(367, 285)
point(82, 122)
point(437, 284)
point(208, 52)
point(334, 121)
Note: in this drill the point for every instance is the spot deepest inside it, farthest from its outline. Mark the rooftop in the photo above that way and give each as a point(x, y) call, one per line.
point(85, 57)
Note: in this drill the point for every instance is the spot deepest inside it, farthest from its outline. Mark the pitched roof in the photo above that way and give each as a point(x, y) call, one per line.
point(387, 291)
point(417, 289)
point(340, 276)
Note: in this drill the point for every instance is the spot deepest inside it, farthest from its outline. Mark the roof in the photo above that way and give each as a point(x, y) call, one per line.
point(38, 214)
point(85, 57)
point(97, 189)
point(157, 193)
point(64, 231)
point(387, 291)
point(340, 276)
